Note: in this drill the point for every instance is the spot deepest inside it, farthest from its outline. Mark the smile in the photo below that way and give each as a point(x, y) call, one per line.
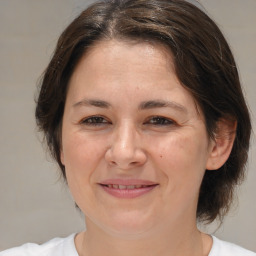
point(116, 186)
point(127, 191)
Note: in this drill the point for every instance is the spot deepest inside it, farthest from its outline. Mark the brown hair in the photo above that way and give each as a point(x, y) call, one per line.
point(203, 62)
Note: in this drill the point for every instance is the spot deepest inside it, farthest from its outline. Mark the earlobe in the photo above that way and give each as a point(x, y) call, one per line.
point(62, 157)
point(222, 144)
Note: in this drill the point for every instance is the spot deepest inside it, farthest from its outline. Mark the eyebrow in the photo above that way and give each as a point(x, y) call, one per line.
point(92, 102)
point(162, 104)
point(151, 104)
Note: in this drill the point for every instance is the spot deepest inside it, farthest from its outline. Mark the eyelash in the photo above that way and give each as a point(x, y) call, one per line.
point(159, 121)
point(95, 121)
point(154, 120)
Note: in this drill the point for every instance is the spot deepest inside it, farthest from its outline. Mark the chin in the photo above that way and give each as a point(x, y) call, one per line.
point(127, 226)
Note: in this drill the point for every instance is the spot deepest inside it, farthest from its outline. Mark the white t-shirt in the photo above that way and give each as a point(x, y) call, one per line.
point(66, 247)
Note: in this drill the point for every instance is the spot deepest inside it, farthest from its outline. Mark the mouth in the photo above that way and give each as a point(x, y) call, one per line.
point(123, 187)
point(127, 191)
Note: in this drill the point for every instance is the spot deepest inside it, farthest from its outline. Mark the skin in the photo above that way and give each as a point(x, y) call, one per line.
point(129, 139)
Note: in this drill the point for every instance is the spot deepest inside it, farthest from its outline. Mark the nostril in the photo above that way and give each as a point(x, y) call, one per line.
point(112, 162)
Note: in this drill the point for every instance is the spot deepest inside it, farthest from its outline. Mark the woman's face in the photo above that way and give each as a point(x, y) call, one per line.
point(134, 144)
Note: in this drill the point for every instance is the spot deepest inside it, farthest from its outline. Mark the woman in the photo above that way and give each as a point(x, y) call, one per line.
point(142, 108)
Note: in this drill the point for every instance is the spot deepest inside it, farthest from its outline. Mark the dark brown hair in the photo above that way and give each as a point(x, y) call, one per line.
point(203, 62)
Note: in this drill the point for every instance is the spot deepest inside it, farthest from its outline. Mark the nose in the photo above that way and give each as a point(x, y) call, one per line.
point(125, 151)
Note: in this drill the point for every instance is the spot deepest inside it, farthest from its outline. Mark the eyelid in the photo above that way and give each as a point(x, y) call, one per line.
point(99, 120)
point(161, 118)
point(84, 121)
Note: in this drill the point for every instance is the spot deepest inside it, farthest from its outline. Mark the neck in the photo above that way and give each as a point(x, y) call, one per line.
point(170, 241)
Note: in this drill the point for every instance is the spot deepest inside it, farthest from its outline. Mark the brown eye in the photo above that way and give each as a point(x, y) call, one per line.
point(158, 120)
point(95, 120)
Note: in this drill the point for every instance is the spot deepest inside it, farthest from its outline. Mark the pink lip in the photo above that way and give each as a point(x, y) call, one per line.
point(127, 193)
point(127, 182)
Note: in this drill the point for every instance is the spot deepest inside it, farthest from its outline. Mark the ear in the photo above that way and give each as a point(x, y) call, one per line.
point(62, 159)
point(222, 144)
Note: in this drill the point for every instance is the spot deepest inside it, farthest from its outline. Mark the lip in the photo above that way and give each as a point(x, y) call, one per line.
point(147, 187)
point(127, 182)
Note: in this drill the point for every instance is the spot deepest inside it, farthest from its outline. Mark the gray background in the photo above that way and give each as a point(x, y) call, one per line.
point(34, 205)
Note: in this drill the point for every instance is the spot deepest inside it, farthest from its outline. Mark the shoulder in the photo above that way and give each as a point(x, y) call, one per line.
point(55, 247)
point(222, 248)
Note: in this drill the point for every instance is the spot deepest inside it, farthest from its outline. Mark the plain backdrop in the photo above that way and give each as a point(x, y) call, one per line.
point(34, 205)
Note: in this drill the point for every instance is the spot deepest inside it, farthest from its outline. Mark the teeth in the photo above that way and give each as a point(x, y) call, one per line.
point(116, 186)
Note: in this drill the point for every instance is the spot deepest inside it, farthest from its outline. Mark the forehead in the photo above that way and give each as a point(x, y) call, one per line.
point(122, 60)
point(114, 66)
point(131, 51)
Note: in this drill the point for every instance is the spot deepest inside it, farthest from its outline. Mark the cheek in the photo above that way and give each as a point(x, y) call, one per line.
point(81, 155)
point(181, 157)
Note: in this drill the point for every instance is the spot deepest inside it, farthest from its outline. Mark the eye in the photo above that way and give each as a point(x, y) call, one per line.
point(159, 120)
point(95, 121)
